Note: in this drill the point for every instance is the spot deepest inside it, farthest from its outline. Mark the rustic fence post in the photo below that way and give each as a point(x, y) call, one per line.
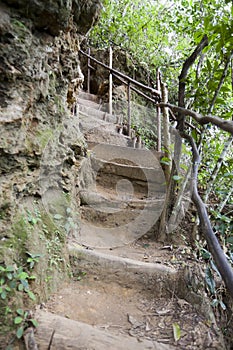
point(88, 71)
point(110, 80)
point(158, 113)
point(129, 108)
point(166, 134)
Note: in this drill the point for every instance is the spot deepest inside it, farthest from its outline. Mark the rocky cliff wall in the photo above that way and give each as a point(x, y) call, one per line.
point(41, 145)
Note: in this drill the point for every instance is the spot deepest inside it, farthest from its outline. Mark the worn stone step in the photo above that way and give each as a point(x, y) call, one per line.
point(102, 115)
point(119, 200)
point(112, 227)
point(122, 297)
point(141, 157)
point(87, 96)
point(160, 278)
point(89, 103)
point(100, 131)
point(55, 332)
point(106, 215)
point(115, 175)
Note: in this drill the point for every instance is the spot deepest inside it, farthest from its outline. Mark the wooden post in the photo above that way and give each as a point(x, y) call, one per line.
point(158, 113)
point(110, 80)
point(166, 134)
point(88, 71)
point(129, 109)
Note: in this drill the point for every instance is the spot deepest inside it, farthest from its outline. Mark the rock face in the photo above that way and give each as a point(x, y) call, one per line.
point(40, 141)
point(53, 16)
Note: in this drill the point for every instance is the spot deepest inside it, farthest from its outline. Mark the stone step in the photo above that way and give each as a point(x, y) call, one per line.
point(120, 303)
point(130, 178)
point(87, 103)
point(100, 131)
point(124, 167)
point(55, 332)
point(102, 198)
point(102, 115)
point(87, 96)
point(113, 227)
point(141, 157)
point(159, 278)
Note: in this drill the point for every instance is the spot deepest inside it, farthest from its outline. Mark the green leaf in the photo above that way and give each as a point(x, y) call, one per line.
point(20, 287)
point(19, 332)
point(208, 65)
point(22, 276)
point(9, 276)
point(165, 160)
point(3, 295)
point(18, 320)
point(205, 254)
point(57, 217)
point(176, 178)
point(31, 295)
point(10, 269)
point(176, 331)
point(34, 221)
point(230, 240)
point(20, 312)
point(12, 284)
point(2, 281)
point(210, 281)
point(34, 322)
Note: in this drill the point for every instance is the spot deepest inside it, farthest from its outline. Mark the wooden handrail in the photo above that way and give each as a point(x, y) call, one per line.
point(136, 90)
point(154, 92)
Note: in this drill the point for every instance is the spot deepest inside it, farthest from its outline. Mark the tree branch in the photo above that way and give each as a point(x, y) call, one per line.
point(187, 64)
point(226, 125)
point(219, 257)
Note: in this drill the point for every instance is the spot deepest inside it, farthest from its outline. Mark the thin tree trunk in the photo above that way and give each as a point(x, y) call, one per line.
point(170, 197)
point(222, 205)
point(218, 254)
point(217, 168)
point(224, 74)
point(180, 206)
point(182, 85)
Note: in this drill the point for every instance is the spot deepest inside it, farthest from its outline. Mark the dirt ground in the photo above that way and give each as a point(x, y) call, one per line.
point(133, 312)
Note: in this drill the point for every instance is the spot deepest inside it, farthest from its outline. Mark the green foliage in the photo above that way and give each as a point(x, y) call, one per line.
point(23, 320)
point(211, 273)
point(161, 34)
point(15, 281)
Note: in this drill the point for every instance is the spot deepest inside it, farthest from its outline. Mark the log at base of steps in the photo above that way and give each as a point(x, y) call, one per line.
point(59, 333)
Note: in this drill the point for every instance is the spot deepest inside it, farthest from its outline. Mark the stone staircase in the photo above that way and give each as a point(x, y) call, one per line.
point(128, 291)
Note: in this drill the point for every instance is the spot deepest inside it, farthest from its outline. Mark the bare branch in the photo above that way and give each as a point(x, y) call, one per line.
point(187, 64)
point(226, 125)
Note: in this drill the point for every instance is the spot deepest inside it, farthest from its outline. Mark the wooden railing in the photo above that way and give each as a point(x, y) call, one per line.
point(132, 84)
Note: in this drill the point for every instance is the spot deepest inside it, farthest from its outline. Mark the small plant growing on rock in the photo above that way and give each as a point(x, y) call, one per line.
point(14, 287)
